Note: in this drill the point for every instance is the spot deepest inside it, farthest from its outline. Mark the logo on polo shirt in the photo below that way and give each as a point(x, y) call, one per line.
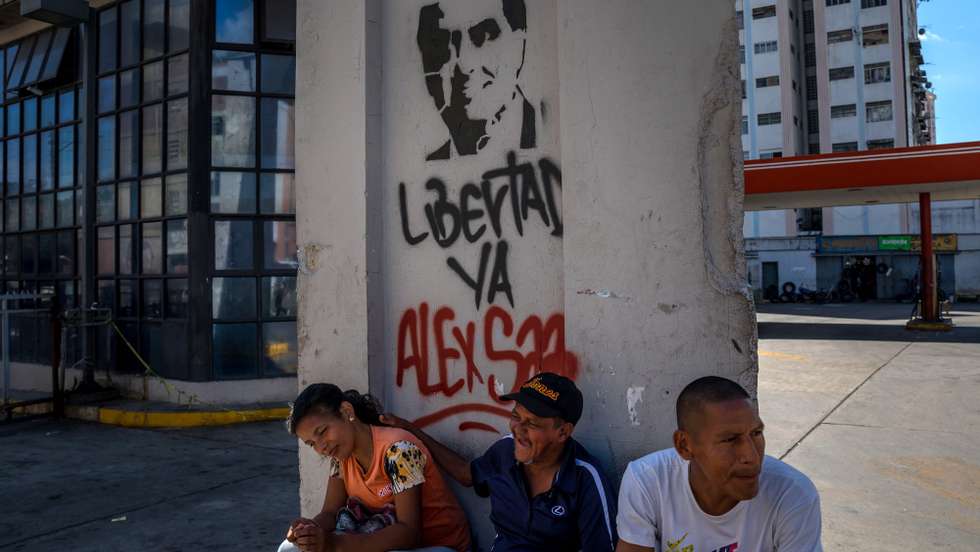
point(558, 511)
point(542, 388)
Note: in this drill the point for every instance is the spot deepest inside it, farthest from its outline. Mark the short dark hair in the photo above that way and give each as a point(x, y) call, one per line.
point(709, 389)
point(327, 397)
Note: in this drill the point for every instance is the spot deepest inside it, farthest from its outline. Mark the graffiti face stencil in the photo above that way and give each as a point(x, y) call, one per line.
point(472, 56)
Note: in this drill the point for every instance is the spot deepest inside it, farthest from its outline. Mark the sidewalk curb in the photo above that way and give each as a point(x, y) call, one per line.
point(173, 419)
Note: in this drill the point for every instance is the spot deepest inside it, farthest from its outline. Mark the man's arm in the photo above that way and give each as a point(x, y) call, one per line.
point(798, 528)
point(596, 511)
point(624, 546)
point(636, 521)
point(449, 460)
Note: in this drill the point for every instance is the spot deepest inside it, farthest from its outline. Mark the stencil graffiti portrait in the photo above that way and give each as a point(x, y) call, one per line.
point(481, 206)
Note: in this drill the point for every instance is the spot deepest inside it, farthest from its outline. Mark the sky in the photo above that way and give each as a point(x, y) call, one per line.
point(951, 48)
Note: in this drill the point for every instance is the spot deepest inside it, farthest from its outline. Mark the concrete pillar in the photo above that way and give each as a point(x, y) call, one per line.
point(655, 289)
point(574, 205)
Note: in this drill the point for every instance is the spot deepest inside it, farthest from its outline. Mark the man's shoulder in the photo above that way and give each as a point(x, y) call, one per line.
point(659, 462)
point(781, 482)
point(501, 449)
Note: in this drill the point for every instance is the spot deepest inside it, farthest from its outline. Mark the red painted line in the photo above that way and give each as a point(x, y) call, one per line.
point(477, 425)
point(440, 415)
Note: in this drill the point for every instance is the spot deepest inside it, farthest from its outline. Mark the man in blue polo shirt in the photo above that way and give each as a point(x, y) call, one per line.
point(546, 491)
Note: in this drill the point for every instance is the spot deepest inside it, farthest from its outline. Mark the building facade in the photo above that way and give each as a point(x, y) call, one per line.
point(827, 76)
point(149, 170)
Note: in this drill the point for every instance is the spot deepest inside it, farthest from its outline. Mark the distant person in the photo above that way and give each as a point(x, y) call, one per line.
point(472, 56)
point(546, 491)
point(716, 491)
point(384, 493)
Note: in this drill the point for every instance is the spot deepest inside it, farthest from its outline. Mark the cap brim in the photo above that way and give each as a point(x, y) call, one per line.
point(535, 405)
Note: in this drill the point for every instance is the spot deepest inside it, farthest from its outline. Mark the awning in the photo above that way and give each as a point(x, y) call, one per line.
point(898, 175)
point(39, 59)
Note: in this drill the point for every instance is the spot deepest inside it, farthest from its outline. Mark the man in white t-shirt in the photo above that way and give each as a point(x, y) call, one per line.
point(716, 491)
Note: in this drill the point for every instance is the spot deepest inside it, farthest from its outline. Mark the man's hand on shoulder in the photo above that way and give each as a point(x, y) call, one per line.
point(390, 419)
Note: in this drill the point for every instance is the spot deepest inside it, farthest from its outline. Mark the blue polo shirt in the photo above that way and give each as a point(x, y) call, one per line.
point(578, 513)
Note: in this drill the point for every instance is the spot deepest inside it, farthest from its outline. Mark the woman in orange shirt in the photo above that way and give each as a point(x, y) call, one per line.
point(384, 493)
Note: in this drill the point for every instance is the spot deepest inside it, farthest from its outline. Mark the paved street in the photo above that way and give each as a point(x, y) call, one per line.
point(886, 422)
point(88, 487)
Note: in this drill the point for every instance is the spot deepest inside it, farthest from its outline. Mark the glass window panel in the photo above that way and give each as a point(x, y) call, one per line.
point(55, 55)
point(106, 294)
point(66, 156)
point(232, 131)
point(37, 58)
point(66, 208)
point(66, 106)
point(28, 213)
point(106, 250)
point(151, 198)
point(12, 215)
point(47, 160)
point(30, 163)
point(234, 353)
point(277, 134)
point(279, 17)
point(176, 199)
point(278, 74)
point(127, 299)
point(13, 119)
point(66, 252)
point(231, 70)
point(233, 299)
point(105, 203)
point(278, 194)
point(129, 34)
point(152, 247)
point(129, 153)
point(177, 79)
point(13, 166)
point(47, 255)
point(180, 24)
point(30, 114)
point(129, 88)
point(152, 138)
point(28, 254)
point(2, 119)
point(48, 111)
point(177, 134)
point(279, 297)
point(279, 348)
point(11, 255)
point(107, 94)
point(107, 40)
point(233, 245)
point(46, 211)
point(234, 21)
point(107, 148)
point(66, 289)
point(152, 81)
point(177, 246)
point(152, 299)
point(280, 244)
point(177, 298)
point(9, 58)
point(16, 76)
point(153, 28)
point(127, 260)
point(232, 192)
point(126, 201)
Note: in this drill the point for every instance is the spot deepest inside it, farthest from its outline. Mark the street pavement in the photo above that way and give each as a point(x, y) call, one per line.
point(886, 423)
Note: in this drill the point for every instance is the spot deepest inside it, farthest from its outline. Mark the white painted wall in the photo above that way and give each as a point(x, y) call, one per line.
point(645, 289)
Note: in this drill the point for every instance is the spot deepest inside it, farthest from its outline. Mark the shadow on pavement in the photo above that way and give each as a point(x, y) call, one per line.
point(864, 332)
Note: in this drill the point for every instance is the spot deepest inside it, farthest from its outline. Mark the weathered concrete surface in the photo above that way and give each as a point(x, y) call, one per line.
point(886, 422)
point(62, 485)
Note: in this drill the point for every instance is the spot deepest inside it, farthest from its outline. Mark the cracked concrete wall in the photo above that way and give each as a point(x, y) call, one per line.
point(591, 227)
point(655, 289)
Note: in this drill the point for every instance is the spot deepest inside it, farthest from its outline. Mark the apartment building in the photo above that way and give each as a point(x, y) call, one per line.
point(828, 76)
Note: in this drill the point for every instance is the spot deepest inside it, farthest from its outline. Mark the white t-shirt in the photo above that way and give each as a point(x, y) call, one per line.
point(657, 509)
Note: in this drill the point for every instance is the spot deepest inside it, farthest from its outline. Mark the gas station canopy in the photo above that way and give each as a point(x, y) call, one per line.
point(898, 175)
